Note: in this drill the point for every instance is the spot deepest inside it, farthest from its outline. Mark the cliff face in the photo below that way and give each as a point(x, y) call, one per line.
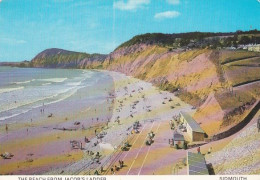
point(59, 58)
point(191, 73)
point(222, 84)
point(206, 78)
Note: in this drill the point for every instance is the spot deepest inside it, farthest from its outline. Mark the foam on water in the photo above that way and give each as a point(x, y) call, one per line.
point(24, 82)
point(50, 100)
point(74, 83)
point(54, 79)
point(44, 84)
point(6, 90)
point(57, 86)
point(17, 104)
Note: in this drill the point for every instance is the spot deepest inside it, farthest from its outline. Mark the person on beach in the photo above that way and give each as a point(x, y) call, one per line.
point(96, 172)
point(198, 150)
point(6, 127)
point(97, 155)
point(112, 170)
point(120, 163)
point(86, 140)
point(210, 149)
point(116, 168)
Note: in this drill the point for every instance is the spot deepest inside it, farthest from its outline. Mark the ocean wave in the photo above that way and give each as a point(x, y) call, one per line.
point(87, 76)
point(44, 84)
point(34, 101)
point(64, 95)
point(13, 115)
point(55, 80)
point(6, 90)
point(24, 82)
point(74, 83)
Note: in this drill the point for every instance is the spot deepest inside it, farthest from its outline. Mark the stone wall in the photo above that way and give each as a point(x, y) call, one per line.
point(240, 125)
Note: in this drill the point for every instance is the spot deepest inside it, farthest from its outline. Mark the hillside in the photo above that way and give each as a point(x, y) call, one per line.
point(198, 77)
point(53, 58)
point(195, 39)
point(200, 68)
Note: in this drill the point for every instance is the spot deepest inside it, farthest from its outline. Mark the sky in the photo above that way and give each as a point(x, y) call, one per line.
point(28, 27)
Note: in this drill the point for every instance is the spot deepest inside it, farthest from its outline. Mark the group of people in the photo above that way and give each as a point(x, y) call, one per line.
point(90, 153)
point(42, 109)
point(76, 145)
point(172, 126)
point(117, 168)
point(86, 140)
point(150, 136)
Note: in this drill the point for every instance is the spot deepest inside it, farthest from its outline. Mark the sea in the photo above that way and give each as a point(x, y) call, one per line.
point(22, 89)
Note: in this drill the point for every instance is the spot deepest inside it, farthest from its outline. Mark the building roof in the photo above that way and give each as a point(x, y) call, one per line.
point(197, 164)
point(178, 137)
point(192, 123)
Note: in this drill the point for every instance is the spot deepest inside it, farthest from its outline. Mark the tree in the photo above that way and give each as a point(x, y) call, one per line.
point(228, 42)
point(184, 42)
point(244, 40)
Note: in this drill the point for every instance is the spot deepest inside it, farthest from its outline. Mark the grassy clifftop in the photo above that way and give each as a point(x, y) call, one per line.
point(195, 39)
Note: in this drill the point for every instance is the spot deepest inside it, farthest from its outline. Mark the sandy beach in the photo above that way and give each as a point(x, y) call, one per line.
point(135, 100)
point(41, 145)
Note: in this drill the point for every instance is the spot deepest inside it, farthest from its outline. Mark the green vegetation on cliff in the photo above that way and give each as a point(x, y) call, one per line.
point(196, 39)
point(67, 59)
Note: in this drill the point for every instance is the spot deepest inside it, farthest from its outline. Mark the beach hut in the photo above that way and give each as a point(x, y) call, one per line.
point(193, 128)
point(196, 164)
point(178, 139)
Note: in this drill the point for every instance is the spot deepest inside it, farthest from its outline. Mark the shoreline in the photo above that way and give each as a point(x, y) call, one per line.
point(128, 91)
point(131, 100)
point(74, 161)
point(38, 146)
